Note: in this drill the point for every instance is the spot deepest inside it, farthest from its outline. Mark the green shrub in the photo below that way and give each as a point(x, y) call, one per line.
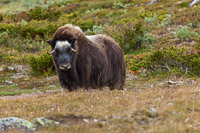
point(96, 29)
point(1, 55)
point(118, 5)
point(121, 5)
point(1, 17)
point(40, 14)
point(130, 36)
point(85, 24)
point(134, 36)
point(150, 19)
point(4, 38)
point(41, 28)
point(22, 44)
point(42, 64)
point(183, 5)
point(135, 62)
point(197, 46)
point(11, 28)
point(185, 34)
point(174, 60)
point(11, 56)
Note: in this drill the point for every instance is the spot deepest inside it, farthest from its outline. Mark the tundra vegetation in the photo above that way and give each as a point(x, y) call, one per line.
point(161, 45)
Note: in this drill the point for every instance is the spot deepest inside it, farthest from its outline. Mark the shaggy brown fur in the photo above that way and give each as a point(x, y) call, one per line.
point(99, 61)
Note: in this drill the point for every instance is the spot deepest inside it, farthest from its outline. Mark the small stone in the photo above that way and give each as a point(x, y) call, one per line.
point(172, 82)
point(86, 120)
point(10, 68)
point(95, 120)
point(151, 85)
point(187, 119)
point(117, 97)
point(52, 86)
point(169, 104)
point(1, 69)
point(143, 121)
point(158, 99)
point(9, 82)
point(153, 110)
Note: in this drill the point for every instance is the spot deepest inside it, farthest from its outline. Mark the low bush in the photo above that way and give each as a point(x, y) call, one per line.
point(185, 33)
point(1, 17)
point(10, 56)
point(135, 62)
point(183, 5)
point(4, 38)
point(182, 61)
point(41, 28)
point(39, 13)
point(31, 29)
point(130, 36)
point(12, 28)
point(42, 64)
point(85, 24)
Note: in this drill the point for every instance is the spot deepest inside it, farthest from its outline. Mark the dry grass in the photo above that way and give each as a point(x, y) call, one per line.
point(176, 109)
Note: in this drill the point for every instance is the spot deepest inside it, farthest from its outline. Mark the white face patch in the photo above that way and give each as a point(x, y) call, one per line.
point(62, 44)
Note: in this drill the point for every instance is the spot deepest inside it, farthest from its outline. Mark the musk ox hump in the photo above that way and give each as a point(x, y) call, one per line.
point(74, 27)
point(67, 32)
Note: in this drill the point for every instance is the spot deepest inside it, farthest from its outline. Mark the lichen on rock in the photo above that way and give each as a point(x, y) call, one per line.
point(21, 124)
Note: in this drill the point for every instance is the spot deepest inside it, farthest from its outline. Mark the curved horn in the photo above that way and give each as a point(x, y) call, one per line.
point(74, 50)
point(51, 52)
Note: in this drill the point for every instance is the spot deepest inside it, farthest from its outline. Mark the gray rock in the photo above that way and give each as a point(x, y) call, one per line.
point(153, 1)
point(17, 123)
point(169, 104)
point(172, 82)
point(8, 82)
point(153, 110)
point(194, 2)
point(24, 125)
point(86, 121)
point(10, 68)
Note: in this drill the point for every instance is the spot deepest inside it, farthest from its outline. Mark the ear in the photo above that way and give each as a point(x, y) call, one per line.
point(72, 40)
point(50, 42)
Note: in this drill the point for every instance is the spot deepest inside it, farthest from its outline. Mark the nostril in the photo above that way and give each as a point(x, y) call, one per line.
point(65, 67)
point(68, 66)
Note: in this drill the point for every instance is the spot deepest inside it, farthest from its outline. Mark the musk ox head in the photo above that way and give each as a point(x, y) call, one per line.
point(63, 52)
point(64, 46)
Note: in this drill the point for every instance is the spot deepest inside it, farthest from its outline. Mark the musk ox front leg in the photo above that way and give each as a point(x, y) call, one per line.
point(72, 88)
point(68, 86)
point(68, 80)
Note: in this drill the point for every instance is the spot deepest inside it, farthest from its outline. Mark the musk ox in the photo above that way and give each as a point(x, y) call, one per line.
point(87, 61)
